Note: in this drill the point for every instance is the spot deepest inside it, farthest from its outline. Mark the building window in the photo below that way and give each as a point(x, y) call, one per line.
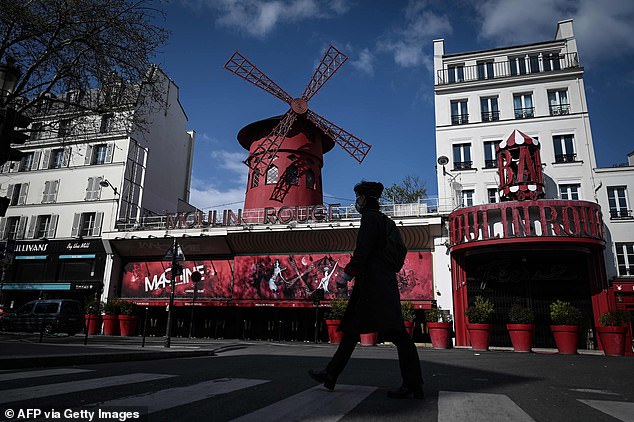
point(617, 200)
point(459, 113)
point(99, 154)
point(467, 198)
point(292, 175)
point(255, 178)
point(485, 70)
point(490, 160)
point(625, 258)
point(272, 175)
point(93, 190)
point(26, 163)
point(564, 149)
point(106, 123)
point(523, 104)
point(489, 109)
point(455, 73)
point(310, 179)
point(57, 159)
point(87, 224)
point(36, 131)
point(552, 61)
point(12, 229)
point(517, 65)
point(570, 191)
point(558, 102)
point(462, 157)
point(49, 195)
point(17, 193)
point(493, 195)
point(64, 128)
point(43, 226)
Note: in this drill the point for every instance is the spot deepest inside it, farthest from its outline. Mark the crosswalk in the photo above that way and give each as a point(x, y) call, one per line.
point(165, 392)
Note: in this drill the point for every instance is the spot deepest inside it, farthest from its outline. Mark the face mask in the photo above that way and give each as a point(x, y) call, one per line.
point(358, 205)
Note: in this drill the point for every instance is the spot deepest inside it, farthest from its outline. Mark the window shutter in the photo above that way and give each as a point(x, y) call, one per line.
point(21, 228)
point(3, 226)
point(46, 162)
point(54, 190)
point(10, 189)
point(97, 188)
point(52, 226)
point(109, 153)
point(76, 222)
point(67, 151)
point(89, 189)
point(24, 190)
point(88, 158)
point(36, 160)
point(30, 234)
point(46, 194)
point(96, 231)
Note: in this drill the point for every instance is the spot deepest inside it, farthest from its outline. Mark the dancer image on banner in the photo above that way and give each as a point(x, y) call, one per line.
point(324, 280)
point(277, 272)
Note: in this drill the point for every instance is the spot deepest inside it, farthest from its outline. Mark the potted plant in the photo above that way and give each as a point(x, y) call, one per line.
point(479, 325)
point(111, 317)
point(409, 316)
point(521, 327)
point(612, 332)
point(128, 318)
point(338, 307)
point(566, 319)
point(439, 327)
point(93, 317)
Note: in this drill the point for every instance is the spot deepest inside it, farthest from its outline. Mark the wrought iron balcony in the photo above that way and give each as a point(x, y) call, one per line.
point(490, 164)
point(620, 214)
point(524, 113)
point(507, 69)
point(490, 116)
point(459, 119)
point(559, 109)
point(565, 158)
point(462, 165)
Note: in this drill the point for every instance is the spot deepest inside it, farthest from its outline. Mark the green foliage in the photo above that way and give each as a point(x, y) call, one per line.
point(614, 318)
point(112, 306)
point(127, 308)
point(407, 309)
point(437, 315)
point(409, 190)
point(95, 307)
point(481, 311)
point(338, 307)
point(563, 313)
point(521, 314)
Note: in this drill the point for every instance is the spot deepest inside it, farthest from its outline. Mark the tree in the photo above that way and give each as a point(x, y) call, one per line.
point(411, 189)
point(80, 52)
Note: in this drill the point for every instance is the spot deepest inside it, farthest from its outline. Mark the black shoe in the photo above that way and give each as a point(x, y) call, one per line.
point(323, 377)
point(407, 392)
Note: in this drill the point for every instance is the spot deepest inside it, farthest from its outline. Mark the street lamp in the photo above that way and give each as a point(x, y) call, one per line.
point(9, 74)
point(105, 183)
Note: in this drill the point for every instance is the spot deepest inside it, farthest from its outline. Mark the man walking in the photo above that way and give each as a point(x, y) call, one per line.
point(374, 303)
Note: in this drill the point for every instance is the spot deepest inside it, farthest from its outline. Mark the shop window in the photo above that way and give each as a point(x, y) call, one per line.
point(76, 269)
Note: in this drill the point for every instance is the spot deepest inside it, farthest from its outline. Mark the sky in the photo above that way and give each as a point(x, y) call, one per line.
point(384, 93)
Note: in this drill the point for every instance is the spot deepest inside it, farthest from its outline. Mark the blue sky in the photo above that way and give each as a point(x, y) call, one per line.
point(384, 93)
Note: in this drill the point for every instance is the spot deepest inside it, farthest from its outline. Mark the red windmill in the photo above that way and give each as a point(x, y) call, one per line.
point(290, 155)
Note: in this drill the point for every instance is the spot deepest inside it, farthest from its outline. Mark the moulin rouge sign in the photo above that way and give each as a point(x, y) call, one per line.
point(282, 215)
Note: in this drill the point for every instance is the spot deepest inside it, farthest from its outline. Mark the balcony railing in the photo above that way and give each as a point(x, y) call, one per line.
point(524, 113)
point(490, 116)
point(459, 119)
point(559, 109)
point(462, 165)
point(621, 214)
point(565, 158)
point(506, 69)
point(490, 164)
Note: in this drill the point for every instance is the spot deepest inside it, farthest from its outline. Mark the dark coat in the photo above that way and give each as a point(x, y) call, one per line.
point(375, 300)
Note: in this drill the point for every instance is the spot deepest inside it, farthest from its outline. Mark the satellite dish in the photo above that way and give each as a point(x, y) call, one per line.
point(442, 160)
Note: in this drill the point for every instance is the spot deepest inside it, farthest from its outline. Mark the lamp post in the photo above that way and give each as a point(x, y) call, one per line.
point(105, 183)
point(195, 277)
point(9, 74)
point(176, 255)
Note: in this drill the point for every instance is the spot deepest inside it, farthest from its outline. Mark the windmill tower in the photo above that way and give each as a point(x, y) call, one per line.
point(286, 152)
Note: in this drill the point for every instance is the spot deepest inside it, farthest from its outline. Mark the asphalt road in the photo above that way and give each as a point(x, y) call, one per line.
point(268, 382)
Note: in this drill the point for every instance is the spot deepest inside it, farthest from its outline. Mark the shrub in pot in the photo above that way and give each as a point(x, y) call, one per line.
point(439, 327)
point(612, 332)
point(128, 318)
point(479, 325)
point(521, 327)
point(93, 317)
point(338, 307)
point(566, 319)
point(407, 309)
point(111, 317)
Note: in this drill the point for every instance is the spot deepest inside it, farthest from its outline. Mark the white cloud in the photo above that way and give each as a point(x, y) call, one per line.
point(227, 188)
point(365, 62)
point(603, 28)
point(259, 17)
point(206, 196)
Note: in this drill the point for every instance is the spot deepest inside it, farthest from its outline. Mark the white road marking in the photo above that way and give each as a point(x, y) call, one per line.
point(478, 407)
point(621, 410)
point(42, 373)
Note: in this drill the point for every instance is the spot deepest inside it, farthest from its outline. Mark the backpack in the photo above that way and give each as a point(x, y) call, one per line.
point(394, 250)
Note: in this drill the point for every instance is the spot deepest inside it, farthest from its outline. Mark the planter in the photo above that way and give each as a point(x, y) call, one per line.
point(566, 338)
point(110, 325)
point(409, 327)
point(521, 336)
point(479, 334)
point(334, 336)
point(128, 324)
point(612, 340)
point(94, 323)
point(440, 333)
point(369, 339)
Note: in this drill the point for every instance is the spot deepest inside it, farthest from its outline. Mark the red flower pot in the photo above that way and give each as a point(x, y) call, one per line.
point(334, 336)
point(128, 324)
point(110, 325)
point(94, 323)
point(521, 336)
point(612, 340)
point(479, 334)
point(409, 327)
point(369, 339)
point(440, 333)
point(566, 338)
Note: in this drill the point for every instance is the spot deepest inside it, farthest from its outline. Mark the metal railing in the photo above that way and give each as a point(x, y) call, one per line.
point(565, 158)
point(462, 165)
point(621, 214)
point(490, 116)
point(507, 68)
point(559, 109)
point(524, 113)
point(459, 119)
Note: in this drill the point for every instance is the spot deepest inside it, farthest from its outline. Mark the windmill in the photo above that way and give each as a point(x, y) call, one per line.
point(300, 156)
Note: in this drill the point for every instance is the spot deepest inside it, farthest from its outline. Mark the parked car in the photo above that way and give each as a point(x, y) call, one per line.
point(52, 316)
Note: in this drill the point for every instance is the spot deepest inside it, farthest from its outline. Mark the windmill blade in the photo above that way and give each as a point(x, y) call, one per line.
point(242, 67)
point(260, 160)
point(330, 63)
point(346, 140)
